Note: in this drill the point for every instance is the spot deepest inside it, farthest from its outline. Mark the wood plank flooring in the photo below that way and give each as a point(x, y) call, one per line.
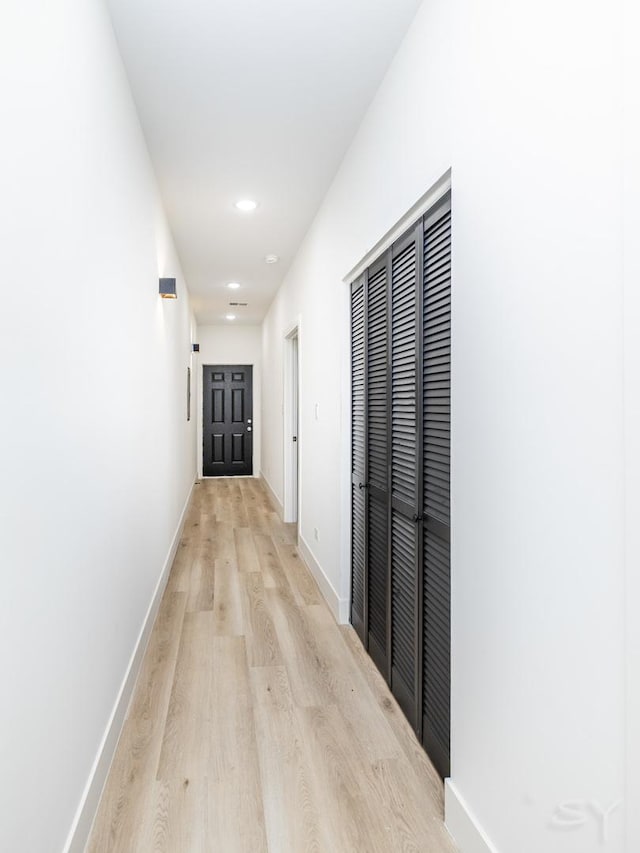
point(258, 724)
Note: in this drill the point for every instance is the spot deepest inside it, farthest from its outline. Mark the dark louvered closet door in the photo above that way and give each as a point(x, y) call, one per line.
point(401, 342)
point(377, 337)
point(358, 457)
point(404, 473)
point(437, 430)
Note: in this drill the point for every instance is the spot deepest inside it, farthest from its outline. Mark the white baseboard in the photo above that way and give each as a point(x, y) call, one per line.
point(274, 498)
point(462, 824)
point(85, 815)
point(338, 606)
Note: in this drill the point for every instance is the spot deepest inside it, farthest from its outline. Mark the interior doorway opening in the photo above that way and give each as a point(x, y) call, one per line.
point(291, 415)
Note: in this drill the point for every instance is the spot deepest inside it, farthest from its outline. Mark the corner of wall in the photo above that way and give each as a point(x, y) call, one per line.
point(462, 824)
point(338, 606)
point(277, 505)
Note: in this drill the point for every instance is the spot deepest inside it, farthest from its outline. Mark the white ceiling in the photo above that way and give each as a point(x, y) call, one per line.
point(250, 98)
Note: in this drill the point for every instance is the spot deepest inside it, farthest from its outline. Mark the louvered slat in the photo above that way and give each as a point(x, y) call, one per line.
point(377, 378)
point(404, 473)
point(436, 660)
point(437, 360)
point(357, 558)
point(357, 457)
point(403, 601)
point(377, 565)
point(437, 654)
point(377, 460)
point(403, 374)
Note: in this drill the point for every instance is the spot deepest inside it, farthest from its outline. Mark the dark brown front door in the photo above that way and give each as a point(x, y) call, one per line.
point(227, 424)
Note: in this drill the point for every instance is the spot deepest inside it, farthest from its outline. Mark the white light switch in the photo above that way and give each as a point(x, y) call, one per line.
point(317, 408)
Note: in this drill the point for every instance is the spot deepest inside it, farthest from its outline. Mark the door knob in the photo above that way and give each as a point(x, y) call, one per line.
point(248, 429)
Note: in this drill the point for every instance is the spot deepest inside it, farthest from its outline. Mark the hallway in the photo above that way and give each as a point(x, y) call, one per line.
point(258, 724)
point(410, 228)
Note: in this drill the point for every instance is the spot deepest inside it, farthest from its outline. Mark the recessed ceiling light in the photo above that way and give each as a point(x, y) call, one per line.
point(233, 285)
point(230, 317)
point(246, 205)
point(271, 259)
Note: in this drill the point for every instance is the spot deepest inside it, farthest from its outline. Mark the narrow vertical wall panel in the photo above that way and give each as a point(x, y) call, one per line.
point(436, 474)
point(358, 452)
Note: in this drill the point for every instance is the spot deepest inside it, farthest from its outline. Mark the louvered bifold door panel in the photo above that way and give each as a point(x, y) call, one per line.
point(404, 474)
point(377, 461)
point(436, 677)
point(358, 460)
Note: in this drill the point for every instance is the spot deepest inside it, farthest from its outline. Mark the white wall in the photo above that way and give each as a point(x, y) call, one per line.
point(96, 457)
point(360, 207)
point(232, 345)
point(537, 422)
point(631, 212)
point(523, 102)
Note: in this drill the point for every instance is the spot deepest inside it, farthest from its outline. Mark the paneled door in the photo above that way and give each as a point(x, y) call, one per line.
point(227, 422)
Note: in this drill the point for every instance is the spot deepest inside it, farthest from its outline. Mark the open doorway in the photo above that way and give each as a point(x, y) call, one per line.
point(291, 425)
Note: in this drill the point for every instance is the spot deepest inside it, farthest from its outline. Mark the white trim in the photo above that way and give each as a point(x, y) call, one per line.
point(197, 403)
point(345, 448)
point(199, 421)
point(90, 800)
point(631, 409)
point(230, 477)
point(441, 186)
point(338, 606)
point(462, 824)
point(272, 495)
point(291, 471)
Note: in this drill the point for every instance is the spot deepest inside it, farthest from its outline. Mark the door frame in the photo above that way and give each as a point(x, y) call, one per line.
point(291, 408)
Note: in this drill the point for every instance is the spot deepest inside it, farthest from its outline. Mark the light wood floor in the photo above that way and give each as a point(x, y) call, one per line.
point(257, 723)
